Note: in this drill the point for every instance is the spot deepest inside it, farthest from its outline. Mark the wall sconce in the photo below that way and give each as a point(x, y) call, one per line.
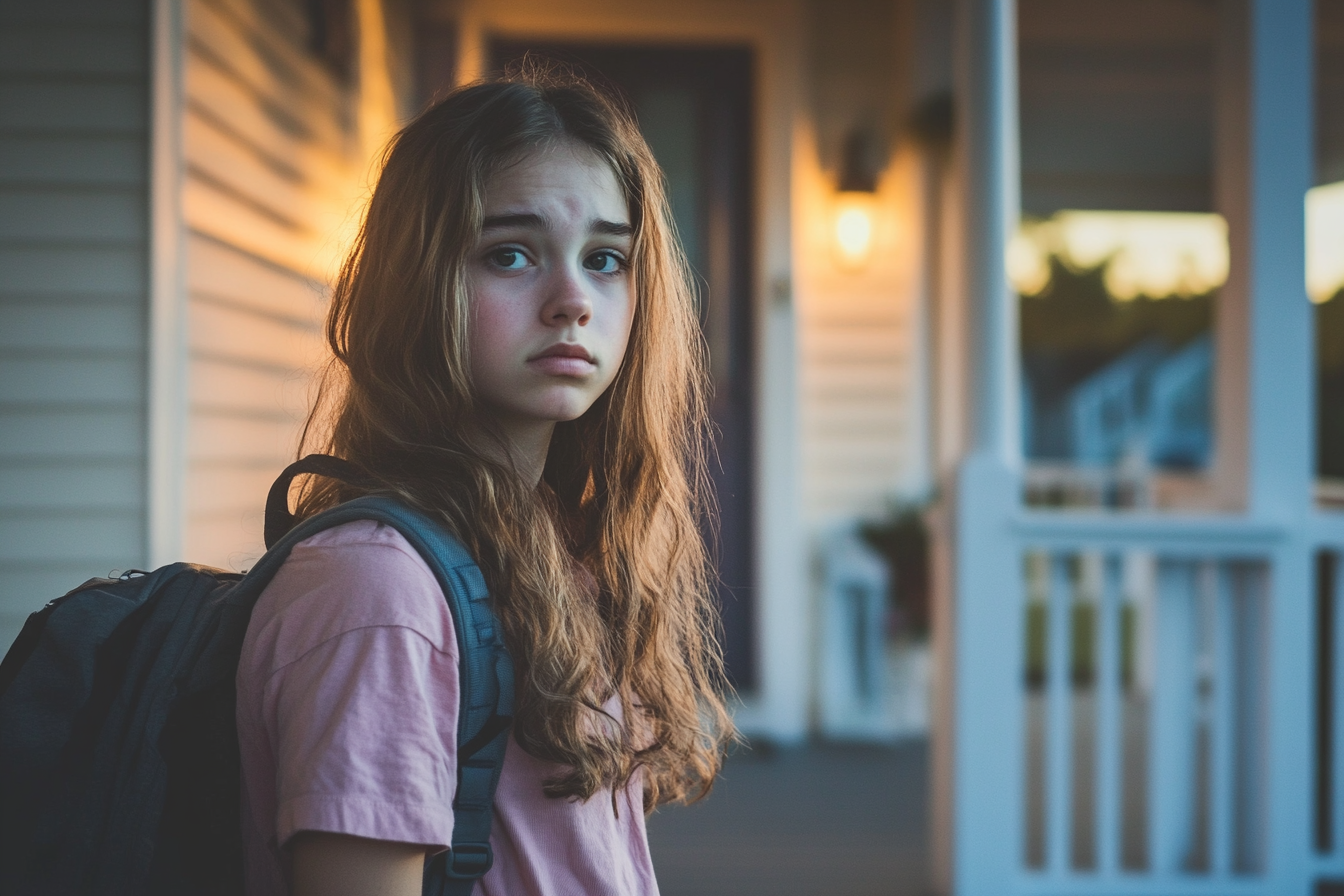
point(854, 219)
point(853, 229)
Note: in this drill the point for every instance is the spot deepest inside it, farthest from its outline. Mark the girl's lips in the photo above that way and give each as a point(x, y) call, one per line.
point(562, 365)
point(564, 359)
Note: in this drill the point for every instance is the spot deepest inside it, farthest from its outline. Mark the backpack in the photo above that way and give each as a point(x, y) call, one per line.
point(119, 761)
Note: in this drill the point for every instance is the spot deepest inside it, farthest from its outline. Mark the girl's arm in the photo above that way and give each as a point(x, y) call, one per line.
point(341, 865)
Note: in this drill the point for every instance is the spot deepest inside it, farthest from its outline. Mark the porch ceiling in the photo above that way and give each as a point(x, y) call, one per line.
point(1117, 104)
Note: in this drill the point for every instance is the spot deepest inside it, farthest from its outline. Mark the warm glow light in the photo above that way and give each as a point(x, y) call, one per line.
point(1325, 241)
point(854, 232)
point(1155, 254)
point(1028, 264)
point(854, 228)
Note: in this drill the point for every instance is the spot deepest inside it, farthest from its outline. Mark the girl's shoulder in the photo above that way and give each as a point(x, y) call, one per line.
point(351, 578)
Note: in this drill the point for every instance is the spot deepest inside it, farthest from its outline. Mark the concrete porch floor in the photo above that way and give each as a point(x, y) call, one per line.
point(839, 820)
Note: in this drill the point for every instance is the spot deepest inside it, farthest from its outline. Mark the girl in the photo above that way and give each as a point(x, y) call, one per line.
point(516, 351)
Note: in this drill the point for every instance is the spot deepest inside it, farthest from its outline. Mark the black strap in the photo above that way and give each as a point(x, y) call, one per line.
point(279, 520)
point(485, 670)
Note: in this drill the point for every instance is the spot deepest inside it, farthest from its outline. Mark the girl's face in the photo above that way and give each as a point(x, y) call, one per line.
point(551, 291)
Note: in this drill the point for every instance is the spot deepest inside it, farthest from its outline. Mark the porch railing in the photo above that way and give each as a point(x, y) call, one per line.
point(1143, 740)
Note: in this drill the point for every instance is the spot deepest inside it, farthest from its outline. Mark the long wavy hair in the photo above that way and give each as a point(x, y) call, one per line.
point(599, 575)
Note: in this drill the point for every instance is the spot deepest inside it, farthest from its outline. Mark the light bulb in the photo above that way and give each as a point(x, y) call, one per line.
point(854, 229)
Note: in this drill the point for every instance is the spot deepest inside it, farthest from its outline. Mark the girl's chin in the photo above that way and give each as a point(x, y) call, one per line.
point(570, 404)
point(548, 414)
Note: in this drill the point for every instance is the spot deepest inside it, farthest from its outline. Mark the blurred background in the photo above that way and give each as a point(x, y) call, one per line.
point(1026, 324)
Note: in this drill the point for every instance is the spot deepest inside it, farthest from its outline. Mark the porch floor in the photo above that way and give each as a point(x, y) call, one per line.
point(841, 820)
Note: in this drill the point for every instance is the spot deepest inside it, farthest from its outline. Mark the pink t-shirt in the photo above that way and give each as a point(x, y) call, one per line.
point(347, 720)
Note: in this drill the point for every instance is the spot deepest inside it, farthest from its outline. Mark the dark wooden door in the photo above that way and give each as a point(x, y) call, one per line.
point(694, 108)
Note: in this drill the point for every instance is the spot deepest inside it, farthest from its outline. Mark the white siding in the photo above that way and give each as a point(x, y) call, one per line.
point(73, 242)
point(272, 179)
point(857, 369)
point(854, 390)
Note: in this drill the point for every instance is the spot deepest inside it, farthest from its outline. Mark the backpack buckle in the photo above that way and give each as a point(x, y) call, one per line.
point(469, 860)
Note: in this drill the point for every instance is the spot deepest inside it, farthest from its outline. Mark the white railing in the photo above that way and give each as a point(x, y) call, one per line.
point(1149, 703)
point(1143, 665)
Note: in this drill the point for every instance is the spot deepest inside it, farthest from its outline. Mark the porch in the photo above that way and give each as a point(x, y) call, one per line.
point(827, 818)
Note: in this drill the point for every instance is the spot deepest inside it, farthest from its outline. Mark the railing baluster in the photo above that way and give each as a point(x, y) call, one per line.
point(1140, 594)
point(1172, 751)
point(1337, 715)
point(1035, 698)
point(1108, 691)
point(1058, 737)
point(1251, 663)
point(1223, 724)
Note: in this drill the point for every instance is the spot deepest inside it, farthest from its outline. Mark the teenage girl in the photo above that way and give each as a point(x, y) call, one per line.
point(516, 351)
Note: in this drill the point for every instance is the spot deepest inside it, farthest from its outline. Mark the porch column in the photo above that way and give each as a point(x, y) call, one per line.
point(990, 174)
point(1263, 411)
point(981, 630)
point(1281, 425)
point(1280, 429)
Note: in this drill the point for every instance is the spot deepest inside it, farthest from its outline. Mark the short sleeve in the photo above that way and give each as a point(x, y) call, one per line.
point(360, 704)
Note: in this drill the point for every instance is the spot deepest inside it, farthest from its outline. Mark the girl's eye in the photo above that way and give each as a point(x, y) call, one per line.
point(508, 259)
point(604, 262)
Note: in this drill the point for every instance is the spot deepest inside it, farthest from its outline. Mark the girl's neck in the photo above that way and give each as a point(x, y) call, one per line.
point(522, 447)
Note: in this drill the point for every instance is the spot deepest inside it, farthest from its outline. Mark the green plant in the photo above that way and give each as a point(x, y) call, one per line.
point(902, 538)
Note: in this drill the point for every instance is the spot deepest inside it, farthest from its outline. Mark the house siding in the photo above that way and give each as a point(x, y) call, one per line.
point(855, 354)
point(74, 105)
point(859, 368)
point(271, 176)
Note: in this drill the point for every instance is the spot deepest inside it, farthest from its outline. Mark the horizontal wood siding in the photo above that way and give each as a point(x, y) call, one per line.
point(270, 190)
point(854, 342)
point(73, 247)
point(860, 422)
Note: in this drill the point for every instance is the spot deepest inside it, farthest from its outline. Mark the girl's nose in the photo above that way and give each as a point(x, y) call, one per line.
point(567, 301)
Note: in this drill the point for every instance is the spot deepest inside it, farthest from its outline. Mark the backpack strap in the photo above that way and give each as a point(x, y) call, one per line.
point(279, 520)
point(485, 670)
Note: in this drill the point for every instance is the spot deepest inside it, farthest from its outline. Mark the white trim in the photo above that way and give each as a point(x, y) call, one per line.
point(784, 598)
point(167, 399)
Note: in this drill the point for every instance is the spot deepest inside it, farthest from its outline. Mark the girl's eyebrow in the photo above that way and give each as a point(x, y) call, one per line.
point(530, 221)
point(612, 228)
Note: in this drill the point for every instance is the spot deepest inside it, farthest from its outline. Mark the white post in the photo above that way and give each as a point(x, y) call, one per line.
point(1281, 419)
point(986, 143)
point(1281, 408)
point(987, 613)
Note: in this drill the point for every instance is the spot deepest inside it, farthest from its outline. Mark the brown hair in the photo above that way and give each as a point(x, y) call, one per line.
point(598, 576)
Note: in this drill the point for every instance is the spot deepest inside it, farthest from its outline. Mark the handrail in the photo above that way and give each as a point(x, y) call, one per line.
point(1178, 533)
point(1223, 534)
